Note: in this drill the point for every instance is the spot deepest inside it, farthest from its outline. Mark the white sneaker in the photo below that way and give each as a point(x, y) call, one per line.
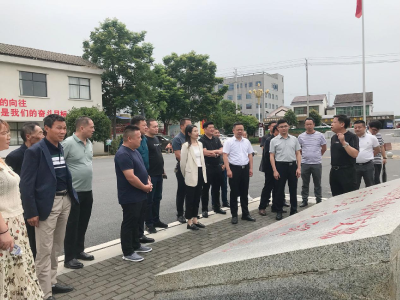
point(133, 257)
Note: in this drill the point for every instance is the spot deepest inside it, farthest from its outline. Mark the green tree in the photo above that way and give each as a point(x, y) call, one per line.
point(126, 60)
point(291, 117)
point(250, 123)
point(224, 108)
point(102, 123)
point(316, 116)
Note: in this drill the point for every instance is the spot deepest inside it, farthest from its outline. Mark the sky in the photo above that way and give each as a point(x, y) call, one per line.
point(235, 34)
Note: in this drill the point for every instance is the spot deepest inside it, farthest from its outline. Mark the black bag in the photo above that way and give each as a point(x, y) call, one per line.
point(384, 175)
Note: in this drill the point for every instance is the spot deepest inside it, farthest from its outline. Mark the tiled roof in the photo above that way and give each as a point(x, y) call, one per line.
point(311, 98)
point(353, 98)
point(31, 53)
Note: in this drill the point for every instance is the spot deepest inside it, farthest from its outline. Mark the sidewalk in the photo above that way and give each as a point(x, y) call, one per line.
point(116, 279)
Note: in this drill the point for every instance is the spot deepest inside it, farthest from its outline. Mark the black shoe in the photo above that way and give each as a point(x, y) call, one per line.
point(303, 204)
point(181, 219)
point(279, 216)
point(220, 211)
point(293, 212)
point(198, 224)
point(248, 218)
point(61, 289)
point(234, 220)
point(145, 240)
point(51, 298)
point(205, 214)
point(160, 224)
point(85, 256)
point(226, 205)
point(73, 264)
point(151, 229)
point(267, 204)
point(285, 204)
point(274, 211)
point(319, 201)
point(192, 227)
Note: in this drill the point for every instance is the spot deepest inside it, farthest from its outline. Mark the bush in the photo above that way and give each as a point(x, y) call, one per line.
point(115, 144)
point(254, 140)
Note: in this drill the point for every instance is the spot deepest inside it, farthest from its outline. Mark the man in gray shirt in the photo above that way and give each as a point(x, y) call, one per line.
point(285, 161)
point(78, 154)
point(313, 146)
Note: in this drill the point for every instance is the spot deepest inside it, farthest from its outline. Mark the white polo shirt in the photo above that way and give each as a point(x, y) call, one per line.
point(367, 144)
point(238, 151)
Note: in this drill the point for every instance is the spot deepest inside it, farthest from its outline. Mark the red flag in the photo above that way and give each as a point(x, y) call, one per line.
point(359, 9)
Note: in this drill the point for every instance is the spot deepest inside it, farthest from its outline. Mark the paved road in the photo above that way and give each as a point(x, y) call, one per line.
point(107, 216)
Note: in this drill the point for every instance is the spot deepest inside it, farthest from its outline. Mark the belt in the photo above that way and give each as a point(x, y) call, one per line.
point(61, 193)
point(244, 166)
point(361, 164)
point(286, 162)
point(342, 167)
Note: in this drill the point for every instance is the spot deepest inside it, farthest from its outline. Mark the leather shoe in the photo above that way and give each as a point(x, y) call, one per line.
point(198, 224)
point(248, 218)
point(192, 227)
point(85, 256)
point(220, 211)
point(51, 298)
point(285, 204)
point(151, 229)
point(73, 264)
point(160, 224)
point(304, 203)
point(274, 211)
point(262, 212)
point(181, 219)
point(61, 289)
point(293, 212)
point(225, 205)
point(279, 216)
point(145, 240)
point(319, 201)
point(234, 220)
point(205, 214)
point(267, 204)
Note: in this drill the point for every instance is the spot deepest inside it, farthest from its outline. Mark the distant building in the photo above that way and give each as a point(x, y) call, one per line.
point(276, 114)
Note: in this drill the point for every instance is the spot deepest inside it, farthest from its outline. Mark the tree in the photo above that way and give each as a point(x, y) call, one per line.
point(250, 123)
point(316, 116)
point(101, 122)
point(291, 118)
point(126, 60)
point(224, 108)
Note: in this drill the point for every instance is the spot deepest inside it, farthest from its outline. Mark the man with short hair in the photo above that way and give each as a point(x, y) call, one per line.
point(344, 151)
point(238, 160)
point(313, 147)
point(156, 173)
point(212, 150)
point(270, 126)
point(369, 147)
point(133, 185)
point(380, 158)
point(78, 154)
point(224, 179)
point(285, 159)
point(47, 193)
point(177, 142)
point(31, 133)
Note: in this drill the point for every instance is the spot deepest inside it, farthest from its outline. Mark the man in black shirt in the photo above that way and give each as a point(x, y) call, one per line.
point(344, 151)
point(156, 172)
point(269, 134)
point(212, 149)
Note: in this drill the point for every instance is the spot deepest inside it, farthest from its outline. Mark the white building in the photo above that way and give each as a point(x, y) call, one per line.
point(318, 103)
point(35, 83)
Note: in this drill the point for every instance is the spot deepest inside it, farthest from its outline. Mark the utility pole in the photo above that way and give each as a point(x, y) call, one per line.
point(308, 96)
point(329, 98)
point(363, 63)
point(235, 91)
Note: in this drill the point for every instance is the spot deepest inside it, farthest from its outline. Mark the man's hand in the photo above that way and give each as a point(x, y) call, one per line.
point(341, 138)
point(298, 173)
point(223, 167)
point(229, 173)
point(149, 181)
point(148, 188)
point(34, 221)
point(6, 241)
point(276, 175)
point(251, 172)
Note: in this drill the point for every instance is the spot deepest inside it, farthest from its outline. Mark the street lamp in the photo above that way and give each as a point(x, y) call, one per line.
point(258, 93)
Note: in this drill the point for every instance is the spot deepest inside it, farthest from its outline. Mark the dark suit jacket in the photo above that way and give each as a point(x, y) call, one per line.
point(38, 182)
point(14, 159)
point(265, 165)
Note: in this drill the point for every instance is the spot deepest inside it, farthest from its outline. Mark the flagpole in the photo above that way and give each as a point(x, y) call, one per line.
point(363, 61)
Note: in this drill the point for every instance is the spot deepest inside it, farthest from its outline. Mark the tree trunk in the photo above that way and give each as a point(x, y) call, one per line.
point(166, 128)
point(114, 123)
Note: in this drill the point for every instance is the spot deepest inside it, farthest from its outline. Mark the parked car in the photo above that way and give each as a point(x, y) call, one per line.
point(165, 141)
point(323, 125)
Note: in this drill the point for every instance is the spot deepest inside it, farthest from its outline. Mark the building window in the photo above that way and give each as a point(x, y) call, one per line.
point(245, 85)
point(79, 88)
point(257, 105)
point(250, 84)
point(241, 85)
point(273, 96)
point(231, 87)
point(248, 96)
point(15, 129)
point(258, 83)
point(257, 116)
point(239, 96)
point(352, 111)
point(276, 97)
point(273, 106)
point(269, 95)
point(248, 106)
point(33, 84)
point(303, 110)
point(274, 86)
point(230, 97)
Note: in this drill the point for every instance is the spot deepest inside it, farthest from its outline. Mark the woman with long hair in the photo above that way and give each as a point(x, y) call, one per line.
point(194, 171)
point(17, 269)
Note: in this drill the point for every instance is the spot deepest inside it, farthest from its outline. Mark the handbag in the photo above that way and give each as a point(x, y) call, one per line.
point(384, 175)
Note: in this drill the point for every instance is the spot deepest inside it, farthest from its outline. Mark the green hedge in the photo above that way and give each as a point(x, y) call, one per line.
point(115, 144)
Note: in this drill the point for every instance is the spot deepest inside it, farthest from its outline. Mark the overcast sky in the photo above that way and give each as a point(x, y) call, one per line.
point(234, 34)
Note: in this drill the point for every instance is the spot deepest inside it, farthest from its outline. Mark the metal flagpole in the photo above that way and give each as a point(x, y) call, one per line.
point(363, 61)
point(308, 96)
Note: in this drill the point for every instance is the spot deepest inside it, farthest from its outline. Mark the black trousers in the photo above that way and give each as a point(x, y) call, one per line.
point(377, 174)
point(342, 180)
point(78, 221)
point(268, 188)
point(181, 191)
point(366, 171)
point(132, 216)
point(287, 173)
point(239, 184)
point(193, 196)
point(32, 237)
point(214, 176)
point(153, 201)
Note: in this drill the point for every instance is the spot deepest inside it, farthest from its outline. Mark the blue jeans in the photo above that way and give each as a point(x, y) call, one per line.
point(153, 201)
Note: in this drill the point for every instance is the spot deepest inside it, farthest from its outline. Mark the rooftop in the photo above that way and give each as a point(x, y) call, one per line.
point(312, 98)
point(353, 98)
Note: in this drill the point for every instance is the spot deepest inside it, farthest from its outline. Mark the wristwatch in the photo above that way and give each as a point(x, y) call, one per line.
point(345, 145)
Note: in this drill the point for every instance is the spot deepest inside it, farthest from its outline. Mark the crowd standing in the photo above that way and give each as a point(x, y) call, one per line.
point(47, 198)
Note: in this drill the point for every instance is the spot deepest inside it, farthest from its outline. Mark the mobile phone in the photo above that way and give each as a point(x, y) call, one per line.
point(164, 176)
point(16, 250)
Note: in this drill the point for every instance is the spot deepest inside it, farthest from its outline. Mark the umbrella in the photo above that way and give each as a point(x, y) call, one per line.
point(384, 175)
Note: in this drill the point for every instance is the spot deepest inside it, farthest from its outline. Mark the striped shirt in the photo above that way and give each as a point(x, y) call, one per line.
point(57, 156)
point(378, 157)
point(311, 147)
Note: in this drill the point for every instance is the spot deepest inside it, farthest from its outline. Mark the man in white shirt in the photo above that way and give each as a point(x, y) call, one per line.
point(369, 147)
point(238, 160)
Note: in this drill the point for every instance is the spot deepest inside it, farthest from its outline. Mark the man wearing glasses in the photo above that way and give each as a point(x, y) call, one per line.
point(286, 163)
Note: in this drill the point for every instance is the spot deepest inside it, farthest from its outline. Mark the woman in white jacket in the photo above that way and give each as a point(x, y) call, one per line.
point(194, 171)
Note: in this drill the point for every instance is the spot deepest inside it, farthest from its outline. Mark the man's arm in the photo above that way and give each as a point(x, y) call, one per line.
point(178, 154)
point(251, 164)
point(323, 149)
point(298, 159)
point(377, 150)
point(226, 164)
point(66, 148)
point(383, 151)
point(272, 159)
point(353, 152)
point(135, 181)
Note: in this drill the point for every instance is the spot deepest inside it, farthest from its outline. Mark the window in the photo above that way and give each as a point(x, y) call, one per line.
point(303, 110)
point(79, 88)
point(32, 84)
point(230, 88)
point(353, 111)
point(257, 117)
point(257, 105)
point(230, 97)
point(241, 85)
point(248, 106)
point(15, 129)
point(245, 85)
point(269, 95)
point(258, 84)
point(273, 106)
point(248, 96)
point(269, 105)
point(276, 97)
point(237, 86)
point(273, 96)
point(239, 96)
point(274, 86)
point(250, 84)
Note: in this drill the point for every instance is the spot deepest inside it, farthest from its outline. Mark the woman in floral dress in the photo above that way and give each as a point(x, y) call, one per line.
point(17, 272)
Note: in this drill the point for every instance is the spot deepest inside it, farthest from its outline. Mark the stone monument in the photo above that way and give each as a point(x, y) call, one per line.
point(344, 248)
